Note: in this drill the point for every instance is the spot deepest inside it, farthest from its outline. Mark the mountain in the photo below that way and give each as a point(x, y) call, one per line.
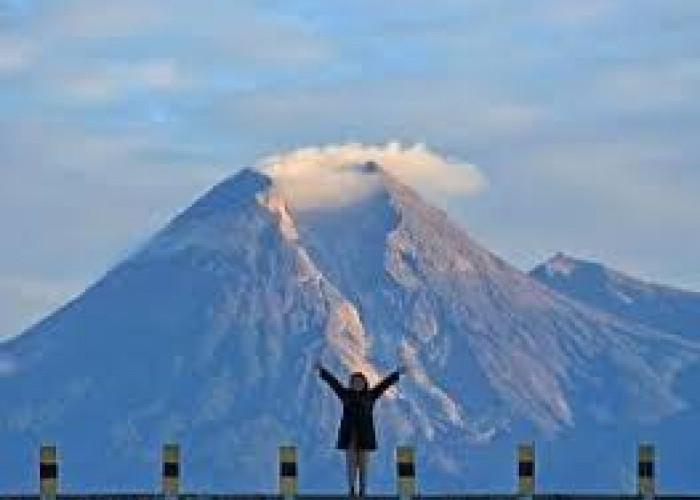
point(634, 300)
point(208, 334)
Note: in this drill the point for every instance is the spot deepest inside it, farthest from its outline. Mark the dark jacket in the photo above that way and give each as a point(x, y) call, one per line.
point(357, 410)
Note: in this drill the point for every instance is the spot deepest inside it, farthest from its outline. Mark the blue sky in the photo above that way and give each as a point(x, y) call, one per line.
point(583, 116)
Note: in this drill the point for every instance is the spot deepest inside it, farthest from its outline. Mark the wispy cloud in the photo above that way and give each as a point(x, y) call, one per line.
point(241, 32)
point(115, 80)
point(16, 54)
point(662, 86)
point(576, 14)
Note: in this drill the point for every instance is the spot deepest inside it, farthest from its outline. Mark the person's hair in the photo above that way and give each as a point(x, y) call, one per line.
point(361, 376)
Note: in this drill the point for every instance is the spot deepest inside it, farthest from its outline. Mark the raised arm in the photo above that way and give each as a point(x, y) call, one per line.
point(382, 386)
point(333, 382)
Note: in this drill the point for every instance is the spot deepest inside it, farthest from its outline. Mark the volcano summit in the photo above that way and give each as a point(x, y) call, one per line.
point(208, 334)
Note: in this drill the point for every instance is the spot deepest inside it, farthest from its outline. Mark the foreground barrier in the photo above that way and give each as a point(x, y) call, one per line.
point(405, 472)
point(288, 486)
point(526, 469)
point(288, 478)
point(646, 480)
point(48, 472)
point(171, 470)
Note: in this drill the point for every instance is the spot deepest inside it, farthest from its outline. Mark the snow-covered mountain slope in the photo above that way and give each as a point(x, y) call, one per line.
point(208, 334)
point(632, 299)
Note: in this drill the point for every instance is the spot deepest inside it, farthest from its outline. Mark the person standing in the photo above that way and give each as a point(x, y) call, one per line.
point(356, 434)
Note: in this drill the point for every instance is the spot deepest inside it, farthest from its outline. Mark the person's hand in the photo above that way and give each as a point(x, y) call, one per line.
point(318, 366)
point(403, 370)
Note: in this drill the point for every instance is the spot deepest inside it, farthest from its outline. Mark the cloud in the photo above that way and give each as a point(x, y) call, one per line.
point(118, 79)
point(321, 176)
point(664, 86)
point(432, 109)
point(15, 55)
point(241, 33)
point(574, 13)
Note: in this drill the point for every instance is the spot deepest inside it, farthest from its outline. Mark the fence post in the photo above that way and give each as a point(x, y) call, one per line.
point(171, 470)
point(405, 471)
point(48, 472)
point(288, 471)
point(646, 470)
point(526, 469)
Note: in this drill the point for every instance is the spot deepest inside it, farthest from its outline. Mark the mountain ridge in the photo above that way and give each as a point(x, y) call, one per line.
point(226, 309)
point(632, 299)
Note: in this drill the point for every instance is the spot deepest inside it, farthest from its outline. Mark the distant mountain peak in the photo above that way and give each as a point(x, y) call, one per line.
point(616, 292)
point(560, 264)
point(563, 265)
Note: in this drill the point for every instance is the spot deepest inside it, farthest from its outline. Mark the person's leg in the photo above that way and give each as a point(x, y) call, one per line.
point(363, 465)
point(351, 462)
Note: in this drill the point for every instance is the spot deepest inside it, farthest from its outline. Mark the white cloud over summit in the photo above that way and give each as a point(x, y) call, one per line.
point(322, 176)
